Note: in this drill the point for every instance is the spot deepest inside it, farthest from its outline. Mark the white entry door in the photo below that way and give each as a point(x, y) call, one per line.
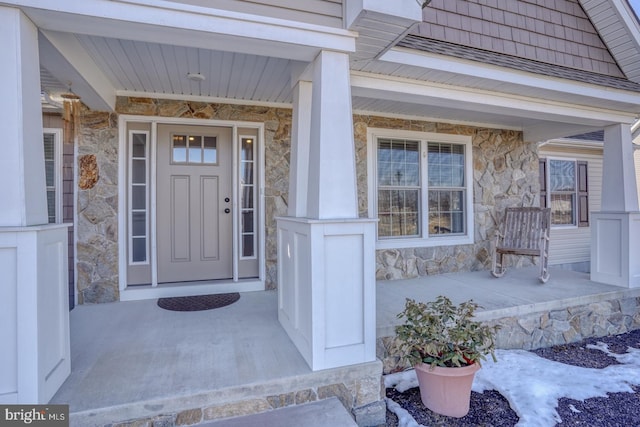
point(194, 203)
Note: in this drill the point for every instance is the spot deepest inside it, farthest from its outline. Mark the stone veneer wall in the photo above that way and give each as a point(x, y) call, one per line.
point(97, 207)
point(549, 328)
point(98, 178)
point(505, 173)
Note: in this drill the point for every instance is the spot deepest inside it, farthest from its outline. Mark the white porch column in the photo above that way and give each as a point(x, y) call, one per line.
point(34, 305)
point(615, 230)
point(332, 176)
point(326, 254)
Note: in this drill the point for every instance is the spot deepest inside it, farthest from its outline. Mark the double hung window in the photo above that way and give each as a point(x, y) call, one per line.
point(422, 188)
point(564, 188)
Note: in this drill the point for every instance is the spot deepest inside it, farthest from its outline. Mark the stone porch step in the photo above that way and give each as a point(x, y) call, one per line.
point(324, 413)
point(357, 387)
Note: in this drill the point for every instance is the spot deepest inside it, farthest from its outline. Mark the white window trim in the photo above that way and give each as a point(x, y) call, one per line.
point(575, 192)
point(57, 170)
point(372, 178)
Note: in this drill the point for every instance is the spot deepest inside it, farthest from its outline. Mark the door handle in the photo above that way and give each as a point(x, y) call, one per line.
point(227, 210)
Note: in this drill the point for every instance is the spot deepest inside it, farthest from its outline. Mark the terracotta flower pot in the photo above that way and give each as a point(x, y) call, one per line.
point(446, 391)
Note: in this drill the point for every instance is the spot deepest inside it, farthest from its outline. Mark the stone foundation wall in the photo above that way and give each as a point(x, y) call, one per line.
point(550, 328)
point(505, 173)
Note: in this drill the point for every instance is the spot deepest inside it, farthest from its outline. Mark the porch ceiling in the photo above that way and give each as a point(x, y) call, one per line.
point(155, 69)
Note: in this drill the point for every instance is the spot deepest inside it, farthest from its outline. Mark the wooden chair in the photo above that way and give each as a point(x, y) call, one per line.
point(525, 231)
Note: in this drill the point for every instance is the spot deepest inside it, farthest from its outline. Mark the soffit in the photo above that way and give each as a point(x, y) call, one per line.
point(619, 28)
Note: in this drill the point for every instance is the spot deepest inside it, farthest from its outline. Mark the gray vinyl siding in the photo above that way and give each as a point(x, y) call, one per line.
point(319, 12)
point(573, 244)
point(552, 31)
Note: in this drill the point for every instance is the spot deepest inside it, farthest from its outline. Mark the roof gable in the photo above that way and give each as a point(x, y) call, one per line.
point(557, 32)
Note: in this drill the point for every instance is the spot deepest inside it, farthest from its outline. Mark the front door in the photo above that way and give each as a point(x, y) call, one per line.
point(194, 206)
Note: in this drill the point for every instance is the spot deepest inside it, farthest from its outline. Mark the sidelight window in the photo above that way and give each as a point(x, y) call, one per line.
point(138, 197)
point(248, 197)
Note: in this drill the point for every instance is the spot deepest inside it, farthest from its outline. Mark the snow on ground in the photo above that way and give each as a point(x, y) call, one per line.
point(533, 385)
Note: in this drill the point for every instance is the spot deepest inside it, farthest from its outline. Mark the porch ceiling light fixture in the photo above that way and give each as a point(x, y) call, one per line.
point(196, 77)
point(69, 95)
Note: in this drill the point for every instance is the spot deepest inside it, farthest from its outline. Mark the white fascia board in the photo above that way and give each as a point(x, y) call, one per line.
point(186, 25)
point(430, 61)
point(68, 46)
point(628, 17)
point(414, 91)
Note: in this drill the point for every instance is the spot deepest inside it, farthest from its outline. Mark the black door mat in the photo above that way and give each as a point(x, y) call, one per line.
point(198, 302)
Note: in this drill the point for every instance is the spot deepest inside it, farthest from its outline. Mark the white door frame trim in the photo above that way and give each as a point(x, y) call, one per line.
point(167, 290)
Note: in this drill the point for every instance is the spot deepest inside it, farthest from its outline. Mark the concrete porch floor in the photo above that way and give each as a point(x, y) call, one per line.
point(133, 359)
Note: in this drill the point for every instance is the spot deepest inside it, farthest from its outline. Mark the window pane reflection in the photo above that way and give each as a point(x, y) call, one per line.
point(247, 149)
point(138, 224)
point(139, 250)
point(179, 153)
point(138, 147)
point(210, 154)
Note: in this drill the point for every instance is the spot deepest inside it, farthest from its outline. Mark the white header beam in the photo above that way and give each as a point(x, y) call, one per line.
point(187, 25)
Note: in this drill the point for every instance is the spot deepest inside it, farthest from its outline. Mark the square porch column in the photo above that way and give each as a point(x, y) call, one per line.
point(326, 254)
point(34, 301)
point(615, 230)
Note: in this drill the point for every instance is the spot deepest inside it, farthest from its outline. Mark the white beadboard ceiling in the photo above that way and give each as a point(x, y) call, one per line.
point(160, 69)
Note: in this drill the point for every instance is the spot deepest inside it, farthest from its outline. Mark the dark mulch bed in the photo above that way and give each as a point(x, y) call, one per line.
point(492, 409)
